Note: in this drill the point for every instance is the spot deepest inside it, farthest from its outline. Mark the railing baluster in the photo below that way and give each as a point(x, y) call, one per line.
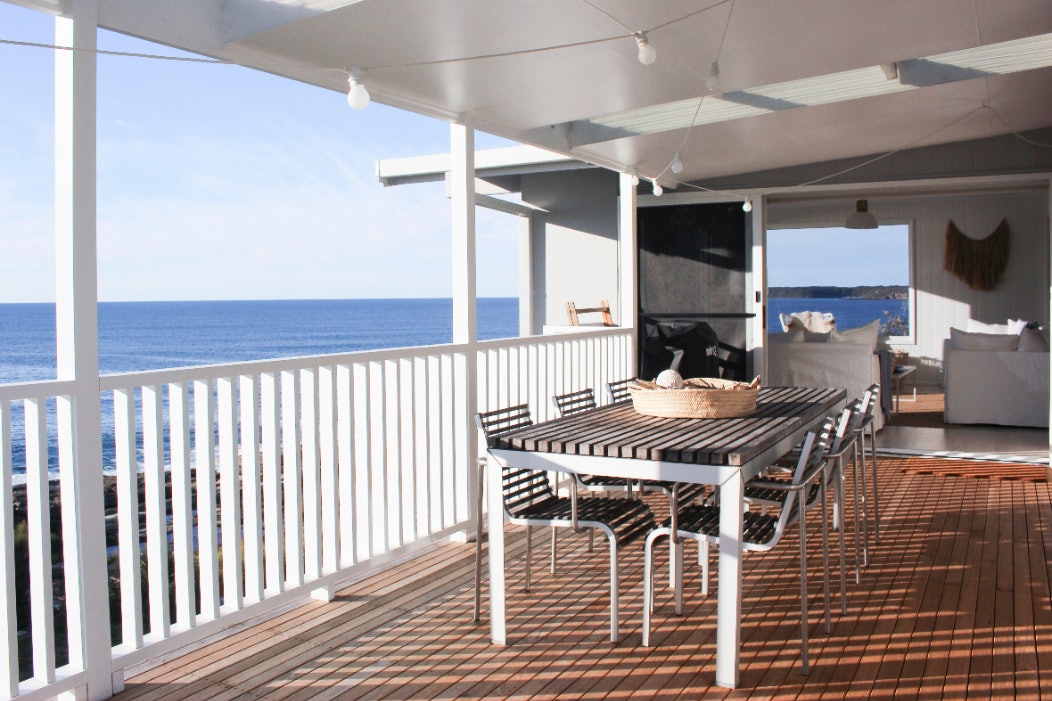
point(312, 547)
point(292, 478)
point(156, 511)
point(182, 505)
point(205, 479)
point(251, 489)
point(230, 495)
point(9, 639)
point(128, 536)
point(364, 525)
point(273, 516)
point(330, 481)
point(38, 527)
point(346, 429)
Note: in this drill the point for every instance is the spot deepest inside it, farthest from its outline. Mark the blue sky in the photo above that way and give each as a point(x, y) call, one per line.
point(218, 182)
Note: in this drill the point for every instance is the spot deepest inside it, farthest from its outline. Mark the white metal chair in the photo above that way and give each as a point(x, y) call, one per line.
point(869, 425)
point(761, 531)
point(529, 500)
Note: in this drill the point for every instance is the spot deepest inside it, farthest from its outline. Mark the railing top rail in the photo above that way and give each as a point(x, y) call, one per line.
point(39, 388)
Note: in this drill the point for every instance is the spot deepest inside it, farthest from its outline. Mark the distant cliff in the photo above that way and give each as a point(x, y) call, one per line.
point(861, 292)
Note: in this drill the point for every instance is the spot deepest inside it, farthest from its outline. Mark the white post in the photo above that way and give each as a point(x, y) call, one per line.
point(756, 287)
point(465, 317)
point(526, 287)
point(628, 263)
point(76, 322)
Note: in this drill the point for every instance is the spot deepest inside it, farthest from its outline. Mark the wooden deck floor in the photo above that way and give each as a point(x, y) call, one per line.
point(955, 603)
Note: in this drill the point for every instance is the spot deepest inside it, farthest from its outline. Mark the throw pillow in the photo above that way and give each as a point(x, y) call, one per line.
point(963, 340)
point(866, 335)
point(816, 337)
point(1033, 341)
point(808, 321)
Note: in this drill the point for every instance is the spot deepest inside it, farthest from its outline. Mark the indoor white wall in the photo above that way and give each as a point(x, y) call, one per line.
point(943, 301)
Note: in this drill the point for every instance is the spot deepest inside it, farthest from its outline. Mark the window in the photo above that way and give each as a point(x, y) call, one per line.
point(857, 275)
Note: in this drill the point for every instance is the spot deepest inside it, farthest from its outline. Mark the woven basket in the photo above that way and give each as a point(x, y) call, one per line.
point(700, 398)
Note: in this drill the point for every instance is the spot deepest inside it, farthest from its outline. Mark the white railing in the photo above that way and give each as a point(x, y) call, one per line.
point(241, 488)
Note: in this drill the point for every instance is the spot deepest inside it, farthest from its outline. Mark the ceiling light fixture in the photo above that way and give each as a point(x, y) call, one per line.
point(658, 190)
point(861, 218)
point(676, 166)
point(747, 205)
point(357, 95)
point(647, 53)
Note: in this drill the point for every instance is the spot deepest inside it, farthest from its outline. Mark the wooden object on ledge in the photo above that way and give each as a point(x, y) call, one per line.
point(572, 313)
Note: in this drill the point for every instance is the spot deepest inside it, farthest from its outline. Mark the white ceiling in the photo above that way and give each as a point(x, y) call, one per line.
point(539, 71)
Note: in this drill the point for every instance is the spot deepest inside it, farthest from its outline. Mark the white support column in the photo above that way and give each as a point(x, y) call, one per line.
point(756, 288)
point(465, 316)
point(526, 286)
point(628, 265)
point(77, 345)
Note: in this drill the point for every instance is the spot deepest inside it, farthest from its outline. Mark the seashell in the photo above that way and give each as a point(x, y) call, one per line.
point(669, 379)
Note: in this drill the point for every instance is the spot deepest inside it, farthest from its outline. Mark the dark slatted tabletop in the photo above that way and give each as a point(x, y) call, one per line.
point(617, 430)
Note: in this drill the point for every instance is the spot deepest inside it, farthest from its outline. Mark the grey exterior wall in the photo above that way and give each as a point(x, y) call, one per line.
point(573, 242)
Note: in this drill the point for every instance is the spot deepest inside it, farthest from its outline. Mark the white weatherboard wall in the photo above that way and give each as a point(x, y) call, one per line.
point(942, 300)
point(574, 238)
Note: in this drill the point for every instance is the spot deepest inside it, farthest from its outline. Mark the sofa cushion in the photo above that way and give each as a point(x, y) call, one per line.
point(786, 337)
point(867, 334)
point(963, 340)
point(979, 327)
point(1033, 341)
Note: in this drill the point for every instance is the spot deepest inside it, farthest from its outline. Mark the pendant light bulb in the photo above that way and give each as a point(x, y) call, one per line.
point(357, 95)
point(747, 205)
point(712, 82)
point(658, 190)
point(647, 53)
point(676, 166)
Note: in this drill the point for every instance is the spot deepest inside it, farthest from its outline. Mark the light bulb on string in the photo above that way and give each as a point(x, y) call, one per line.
point(357, 95)
point(676, 166)
point(747, 205)
point(712, 82)
point(647, 53)
point(658, 190)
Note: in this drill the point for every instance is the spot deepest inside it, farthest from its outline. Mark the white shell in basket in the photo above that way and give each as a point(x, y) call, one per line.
point(669, 379)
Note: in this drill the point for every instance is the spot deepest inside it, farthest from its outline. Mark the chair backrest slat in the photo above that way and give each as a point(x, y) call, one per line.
point(618, 390)
point(574, 402)
point(519, 486)
point(498, 421)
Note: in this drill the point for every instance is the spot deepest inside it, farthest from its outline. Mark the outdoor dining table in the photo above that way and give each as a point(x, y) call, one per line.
point(616, 441)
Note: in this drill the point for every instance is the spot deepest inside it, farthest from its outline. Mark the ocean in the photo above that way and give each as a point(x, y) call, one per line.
point(136, 336)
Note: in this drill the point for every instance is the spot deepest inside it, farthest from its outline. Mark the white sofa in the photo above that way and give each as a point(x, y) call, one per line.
point(851, 366)
point(1008, 387)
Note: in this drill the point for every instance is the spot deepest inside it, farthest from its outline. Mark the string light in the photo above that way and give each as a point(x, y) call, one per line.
point(357, 95)
point(712, 82)
point(658, 190)
point(647, 53)
point(676, 166)
point(747, 205)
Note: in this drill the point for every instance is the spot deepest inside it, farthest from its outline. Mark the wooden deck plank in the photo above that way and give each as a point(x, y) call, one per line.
point(955, 603)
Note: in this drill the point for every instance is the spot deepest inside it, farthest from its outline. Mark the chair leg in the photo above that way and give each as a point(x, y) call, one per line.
point(863, 517)
point(555, 535)
point(876, 498)
point(840, 535)
point(803, 594)
point(825, 552)
point(529, 554)
point(615, 605)
point(676, 553)
point(478, 541)
point(648, 586)
point(854, 513)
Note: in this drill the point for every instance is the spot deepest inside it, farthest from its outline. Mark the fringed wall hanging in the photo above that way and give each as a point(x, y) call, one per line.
point(977, 262)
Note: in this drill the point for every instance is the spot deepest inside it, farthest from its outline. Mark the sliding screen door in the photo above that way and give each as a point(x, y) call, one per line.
point(692, 287)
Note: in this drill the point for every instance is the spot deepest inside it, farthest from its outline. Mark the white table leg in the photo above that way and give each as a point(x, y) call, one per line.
point(497, 623)
point(728, 607)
